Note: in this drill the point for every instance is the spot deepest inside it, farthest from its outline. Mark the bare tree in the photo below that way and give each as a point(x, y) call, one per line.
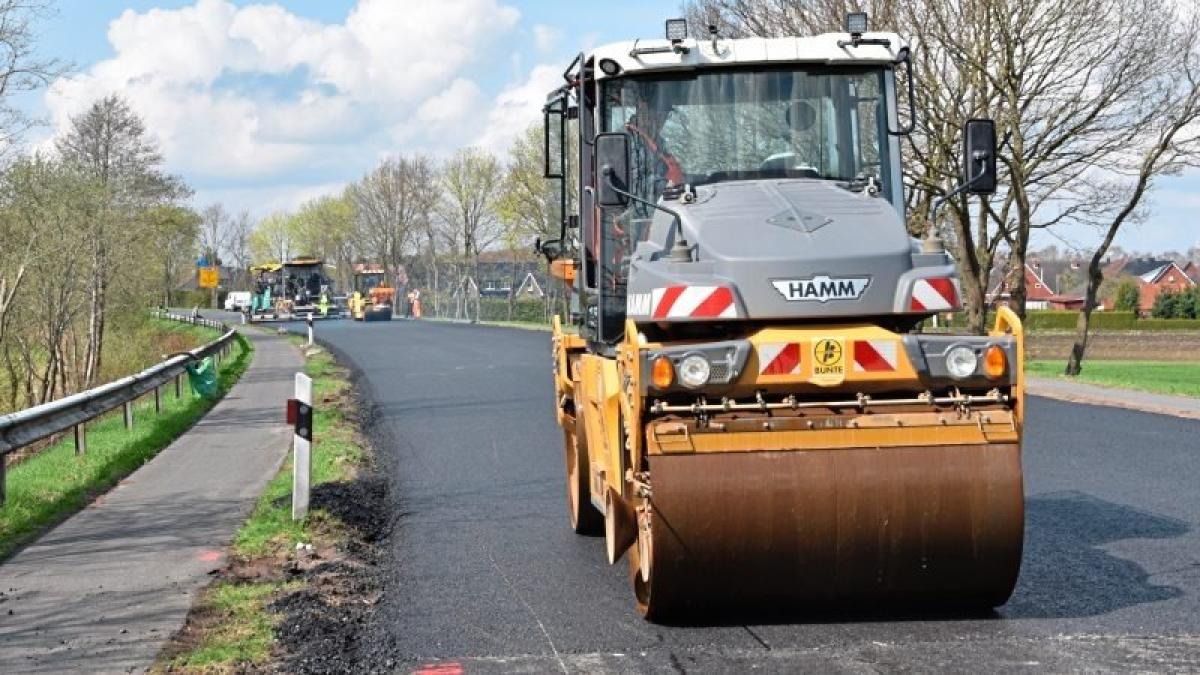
point(237, 245)
point(472, 181)
point(214, 232)
point(1164, 139)
point(108, 141)
point(394, 204)
point(22, 70)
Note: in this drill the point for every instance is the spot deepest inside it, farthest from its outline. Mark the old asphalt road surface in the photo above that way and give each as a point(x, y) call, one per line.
point(485, 573)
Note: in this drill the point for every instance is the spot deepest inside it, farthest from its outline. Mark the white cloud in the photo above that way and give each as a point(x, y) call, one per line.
point(261, 201)
point(517, 107)
point(546, 38)
point(258, 92)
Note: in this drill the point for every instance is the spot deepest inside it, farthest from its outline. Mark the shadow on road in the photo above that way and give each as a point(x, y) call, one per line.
point(1067, 574)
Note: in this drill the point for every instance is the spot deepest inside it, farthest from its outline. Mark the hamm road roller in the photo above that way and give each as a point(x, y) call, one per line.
point(753, 410)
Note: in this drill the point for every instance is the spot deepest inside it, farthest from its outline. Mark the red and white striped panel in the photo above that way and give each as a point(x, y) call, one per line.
point(693, 302)
point(934, 295)
point(779, 358)
point(875, 356)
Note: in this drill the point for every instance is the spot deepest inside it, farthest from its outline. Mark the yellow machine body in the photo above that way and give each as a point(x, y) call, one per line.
point(799, 488)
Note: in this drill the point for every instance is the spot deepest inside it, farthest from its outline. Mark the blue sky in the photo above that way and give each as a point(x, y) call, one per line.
point(263, 105)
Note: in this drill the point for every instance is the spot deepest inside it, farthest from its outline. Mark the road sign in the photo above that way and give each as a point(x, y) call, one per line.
point(210, 277)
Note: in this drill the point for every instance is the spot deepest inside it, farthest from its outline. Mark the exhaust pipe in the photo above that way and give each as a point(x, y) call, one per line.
point(620, 525)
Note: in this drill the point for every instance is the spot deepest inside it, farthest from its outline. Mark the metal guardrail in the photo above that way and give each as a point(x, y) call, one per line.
point(23, 427)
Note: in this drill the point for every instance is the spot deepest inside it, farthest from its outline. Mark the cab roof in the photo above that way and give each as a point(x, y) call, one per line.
point(828, 49)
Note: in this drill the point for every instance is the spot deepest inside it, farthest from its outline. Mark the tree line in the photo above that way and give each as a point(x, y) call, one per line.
point(91, 231)
point(424, 220)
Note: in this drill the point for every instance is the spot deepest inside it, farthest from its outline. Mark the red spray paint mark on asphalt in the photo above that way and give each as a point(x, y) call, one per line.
point(210, 556)
point(451, 668)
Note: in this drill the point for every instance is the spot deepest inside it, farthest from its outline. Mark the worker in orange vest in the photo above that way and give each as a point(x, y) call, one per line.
point(414, 303)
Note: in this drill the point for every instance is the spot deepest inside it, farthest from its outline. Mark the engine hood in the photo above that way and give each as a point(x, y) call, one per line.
point(793, 220)
point(787, 249)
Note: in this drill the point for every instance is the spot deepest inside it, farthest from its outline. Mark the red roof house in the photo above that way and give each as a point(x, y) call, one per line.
point(1153, 276)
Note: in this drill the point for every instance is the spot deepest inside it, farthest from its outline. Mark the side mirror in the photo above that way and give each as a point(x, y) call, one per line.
point(612, 160)
point(552, 249)
point(979, 156)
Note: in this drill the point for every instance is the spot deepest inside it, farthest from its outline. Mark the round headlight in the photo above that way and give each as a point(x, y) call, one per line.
point(611, 68)
point(694, 371)
point(961, 362)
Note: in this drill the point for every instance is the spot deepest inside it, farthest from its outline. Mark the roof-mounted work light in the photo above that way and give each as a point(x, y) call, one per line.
point(676, 30)
point(856, 24)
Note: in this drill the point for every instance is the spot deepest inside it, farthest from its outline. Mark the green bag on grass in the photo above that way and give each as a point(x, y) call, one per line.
point(202, 375)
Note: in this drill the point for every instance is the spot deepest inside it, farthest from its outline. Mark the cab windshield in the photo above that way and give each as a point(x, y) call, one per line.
point(721, 125)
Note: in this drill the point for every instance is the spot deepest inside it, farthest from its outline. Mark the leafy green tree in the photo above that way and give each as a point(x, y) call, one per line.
point(1128, 296)
point(273, 239)
point(1167, 305)
point(326, 227)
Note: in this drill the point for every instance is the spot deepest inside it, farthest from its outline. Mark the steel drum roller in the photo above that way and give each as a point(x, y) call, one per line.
point(832, 528)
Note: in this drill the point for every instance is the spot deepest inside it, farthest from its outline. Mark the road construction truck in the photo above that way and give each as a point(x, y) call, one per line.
point(754, 411)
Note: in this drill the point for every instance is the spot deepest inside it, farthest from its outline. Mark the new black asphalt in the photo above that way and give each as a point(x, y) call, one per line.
point(484, 571)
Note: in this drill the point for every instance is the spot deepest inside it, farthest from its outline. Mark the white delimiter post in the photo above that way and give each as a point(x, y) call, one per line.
point(301, 454)
point(310, 329)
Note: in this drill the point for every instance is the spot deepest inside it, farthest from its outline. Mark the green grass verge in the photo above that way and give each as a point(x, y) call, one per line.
point(51, 485)
point(242, 628)
point(1160, 377)
point(242, 633)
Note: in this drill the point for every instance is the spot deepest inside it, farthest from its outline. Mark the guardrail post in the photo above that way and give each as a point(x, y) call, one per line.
point(127, 408)
point(3, 478)
point(179, 386)
point(157, 400)
point(80, 439)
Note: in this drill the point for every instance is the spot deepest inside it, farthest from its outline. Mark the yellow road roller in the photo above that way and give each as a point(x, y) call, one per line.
point(756, 412)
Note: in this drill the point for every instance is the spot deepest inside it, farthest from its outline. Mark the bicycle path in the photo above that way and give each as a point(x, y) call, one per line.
point(105, 589)
point(1131, 399)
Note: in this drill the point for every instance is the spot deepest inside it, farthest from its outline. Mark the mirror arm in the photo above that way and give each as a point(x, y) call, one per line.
point(677, 222)
point(906, 59)
point(937, 204)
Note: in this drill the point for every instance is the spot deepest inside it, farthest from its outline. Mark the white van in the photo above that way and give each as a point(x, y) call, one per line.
point(237, 301)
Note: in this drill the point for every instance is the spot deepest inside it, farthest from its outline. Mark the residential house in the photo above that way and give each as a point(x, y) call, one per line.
point(1192, 270)
point(1040, 293)
point(1153, 276)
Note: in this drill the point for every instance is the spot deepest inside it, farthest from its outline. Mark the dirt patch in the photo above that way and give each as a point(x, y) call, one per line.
point(338, 581)
point(201, 620)
point(325, 620)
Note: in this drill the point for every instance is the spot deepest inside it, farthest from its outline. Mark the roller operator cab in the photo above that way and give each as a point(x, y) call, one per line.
point(752, 410)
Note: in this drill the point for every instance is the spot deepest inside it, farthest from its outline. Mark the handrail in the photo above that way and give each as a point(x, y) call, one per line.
point(23, 427)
